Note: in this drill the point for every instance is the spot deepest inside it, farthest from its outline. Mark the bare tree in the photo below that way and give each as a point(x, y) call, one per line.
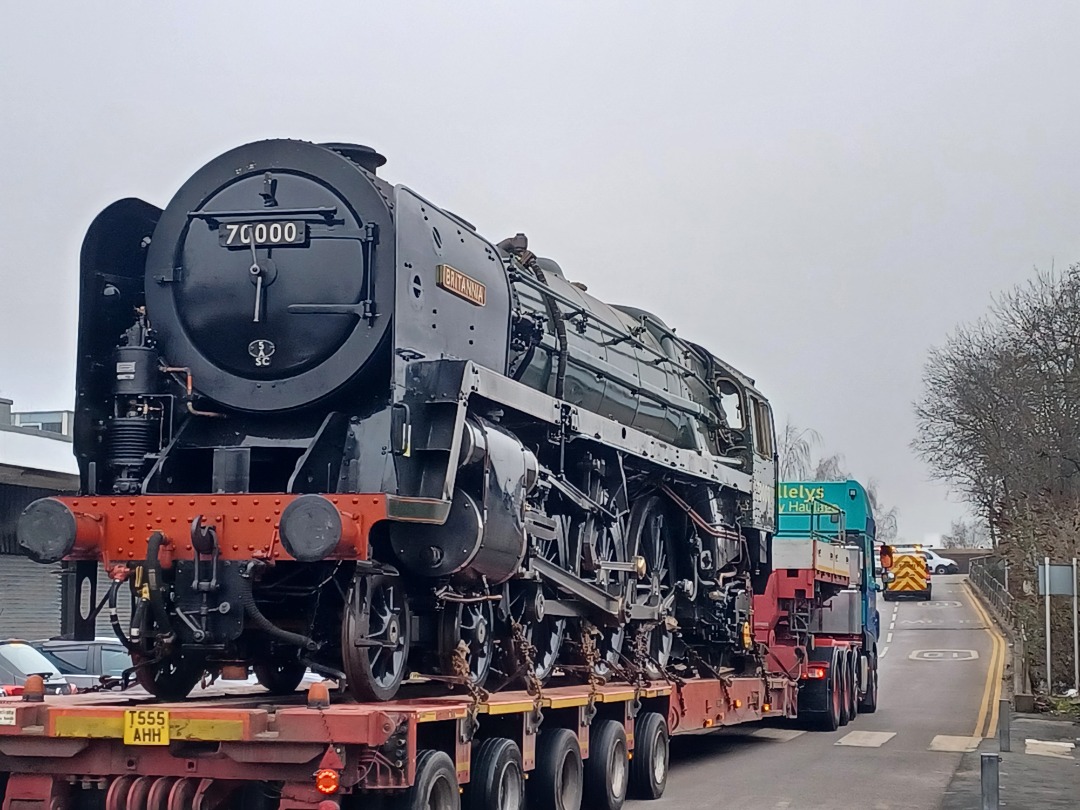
point(999, 420)
point(796, 450)
point(965, 533)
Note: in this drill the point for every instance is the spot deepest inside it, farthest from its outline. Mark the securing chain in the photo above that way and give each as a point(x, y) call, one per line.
point(526, 651)
point(590, 652)
point(459, 663)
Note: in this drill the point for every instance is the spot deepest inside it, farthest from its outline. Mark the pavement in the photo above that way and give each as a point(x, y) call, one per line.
point(941, 665)
point(1041, 771)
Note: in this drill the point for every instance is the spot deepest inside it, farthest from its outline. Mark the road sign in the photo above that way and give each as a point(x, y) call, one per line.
point(1061, 581)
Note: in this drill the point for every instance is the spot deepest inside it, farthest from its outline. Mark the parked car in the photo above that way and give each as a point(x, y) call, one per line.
point(938, 564)
point(19, 660)
point(101, 663)
point(87, 664)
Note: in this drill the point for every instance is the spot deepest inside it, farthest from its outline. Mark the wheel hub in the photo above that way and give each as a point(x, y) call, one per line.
point(393, 631)
point(481, 632)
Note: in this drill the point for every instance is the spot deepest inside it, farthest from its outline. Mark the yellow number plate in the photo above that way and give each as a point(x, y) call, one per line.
point(146, 727)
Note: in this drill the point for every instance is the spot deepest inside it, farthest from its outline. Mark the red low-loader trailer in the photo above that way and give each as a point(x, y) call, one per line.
point(812, 653)
point(567, 745)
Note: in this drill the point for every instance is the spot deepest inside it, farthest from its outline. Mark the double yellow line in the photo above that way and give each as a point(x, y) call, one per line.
point(986, 724)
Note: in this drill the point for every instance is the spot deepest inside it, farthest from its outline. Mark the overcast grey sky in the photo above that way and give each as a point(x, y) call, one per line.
point(816, 191)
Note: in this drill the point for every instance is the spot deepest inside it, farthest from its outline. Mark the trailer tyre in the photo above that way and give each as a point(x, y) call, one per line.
point(868, 705)
point(853, 685)
point(842, 684)
point(436, 785)
point(556, 782)
point(829, 720)
point(498, 777)
point(607, 769)
point(649, 767)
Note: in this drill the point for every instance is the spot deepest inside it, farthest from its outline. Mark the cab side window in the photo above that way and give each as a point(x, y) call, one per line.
point(764, 440)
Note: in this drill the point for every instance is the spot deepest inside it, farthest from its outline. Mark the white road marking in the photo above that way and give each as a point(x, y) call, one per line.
point(946, 742)
point(881, 654)
point(943, 655)
point(866, 739)
point(1048, 748)
point(777, 734)
point(888, 638)
point(781, 805)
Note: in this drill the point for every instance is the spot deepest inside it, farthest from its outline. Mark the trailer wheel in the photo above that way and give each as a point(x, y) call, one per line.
point(499, 777)
point(853, 684)
point(649, 767)
point(868, 705)
point(842, 685)
point(829, 720)
point(607, 769)
point(436, 785)
point(556, 782)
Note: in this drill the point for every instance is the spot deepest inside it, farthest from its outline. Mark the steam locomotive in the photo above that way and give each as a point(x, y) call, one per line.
point(322, 422)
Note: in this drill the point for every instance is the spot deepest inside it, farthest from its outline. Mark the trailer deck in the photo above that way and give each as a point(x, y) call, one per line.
point(123, 752)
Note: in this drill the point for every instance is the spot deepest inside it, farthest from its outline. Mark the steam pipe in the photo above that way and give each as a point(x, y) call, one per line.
point(260, 622)
point(153, 582)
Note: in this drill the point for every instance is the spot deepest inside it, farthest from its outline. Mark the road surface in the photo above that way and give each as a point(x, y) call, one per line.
point(940, 681)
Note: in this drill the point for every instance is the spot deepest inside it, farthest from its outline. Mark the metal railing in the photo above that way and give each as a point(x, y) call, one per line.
point(990, 575)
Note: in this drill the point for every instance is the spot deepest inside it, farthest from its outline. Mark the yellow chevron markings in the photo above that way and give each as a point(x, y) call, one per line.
point(909, 573)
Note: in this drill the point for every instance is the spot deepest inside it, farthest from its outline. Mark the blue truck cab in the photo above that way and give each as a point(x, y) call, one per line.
point(829, 526)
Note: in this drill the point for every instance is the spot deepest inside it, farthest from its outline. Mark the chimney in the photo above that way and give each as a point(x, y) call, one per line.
point(5, 411)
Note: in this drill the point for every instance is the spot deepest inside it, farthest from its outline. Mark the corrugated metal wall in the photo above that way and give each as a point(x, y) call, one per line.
point(29, 598)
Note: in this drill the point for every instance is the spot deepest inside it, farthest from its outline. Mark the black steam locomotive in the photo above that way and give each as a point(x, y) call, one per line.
point(323, 423)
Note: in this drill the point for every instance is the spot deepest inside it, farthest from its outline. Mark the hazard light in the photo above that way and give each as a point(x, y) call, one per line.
point(326, 781)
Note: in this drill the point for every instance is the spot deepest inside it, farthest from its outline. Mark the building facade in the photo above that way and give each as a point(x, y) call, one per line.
point(35, 461)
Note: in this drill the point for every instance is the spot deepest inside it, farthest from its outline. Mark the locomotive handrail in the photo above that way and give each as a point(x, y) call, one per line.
point(324, 212)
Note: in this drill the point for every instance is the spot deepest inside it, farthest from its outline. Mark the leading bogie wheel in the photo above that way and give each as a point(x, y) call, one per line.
point(170, 677)
point(498, 778)
point(607, 769)
point(556, 781)
point(435, 786)
point(281, 676)
point(649, 767)
point(375, 637)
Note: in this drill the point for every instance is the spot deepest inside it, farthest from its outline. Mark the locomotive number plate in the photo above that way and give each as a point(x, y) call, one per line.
point(146, 727)
point(260, 234)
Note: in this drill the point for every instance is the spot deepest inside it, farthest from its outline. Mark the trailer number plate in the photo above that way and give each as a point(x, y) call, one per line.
point(146, 727)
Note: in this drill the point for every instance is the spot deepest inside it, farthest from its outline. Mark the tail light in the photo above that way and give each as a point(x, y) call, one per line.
point(815, 672)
